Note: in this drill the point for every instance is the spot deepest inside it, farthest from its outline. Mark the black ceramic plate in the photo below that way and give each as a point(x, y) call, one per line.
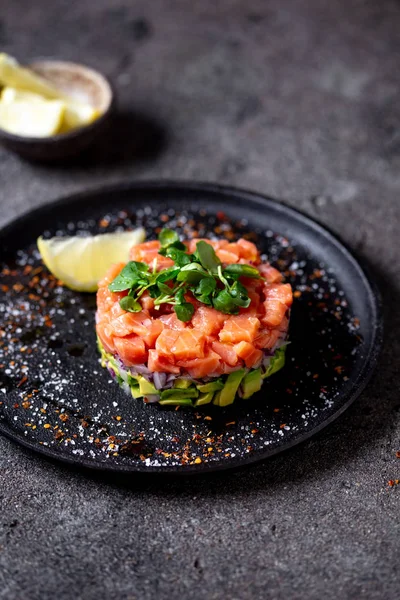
point(56, 399)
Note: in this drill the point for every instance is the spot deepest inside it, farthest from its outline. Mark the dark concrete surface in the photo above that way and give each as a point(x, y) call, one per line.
point(298, 99)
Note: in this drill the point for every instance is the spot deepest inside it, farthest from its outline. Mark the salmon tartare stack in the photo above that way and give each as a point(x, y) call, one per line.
point(193, 323)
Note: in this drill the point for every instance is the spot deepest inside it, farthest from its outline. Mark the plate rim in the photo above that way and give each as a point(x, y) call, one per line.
point(358, 386)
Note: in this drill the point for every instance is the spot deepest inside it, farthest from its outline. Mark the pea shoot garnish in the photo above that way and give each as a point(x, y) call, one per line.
point(200, 273)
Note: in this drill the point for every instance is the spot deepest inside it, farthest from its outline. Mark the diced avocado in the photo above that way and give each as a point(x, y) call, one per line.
point(176, 402)
point(227, 394)
point(252, 383)
point(213, 386)
point(134, 386)
point(177, 393)
point(277, 362)
point(146, 388)
point(182, 384)
point(204, 399)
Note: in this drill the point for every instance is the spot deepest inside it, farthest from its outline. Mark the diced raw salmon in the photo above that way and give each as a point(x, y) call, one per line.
point(275, 310)
point(252, 356)
point(208, 320)
point(105, 299)
point(127, 323)
point(153, 333)
point(148, 252)
point(278, 297)
point(161, 364)
point(239, 328)
point(106, 340)
point(202, 367)
point(267, 338)
point(271, 274)
point(279, 291)
point(165, 341)
point(111, 274)
point(248, 250)
point(226, 352)
point(171, 321)
point(147, 302)
point(226, 256)
point(131, 350)
point(189, 344)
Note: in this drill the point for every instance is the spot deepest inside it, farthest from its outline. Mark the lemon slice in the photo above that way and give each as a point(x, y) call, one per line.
point(13, 75)
point(32, 119)
point(80, 262)
point(78, 115)
point(10, 95)
point(75, 114)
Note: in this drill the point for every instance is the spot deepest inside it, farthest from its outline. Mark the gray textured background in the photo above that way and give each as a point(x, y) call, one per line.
point(298, 99)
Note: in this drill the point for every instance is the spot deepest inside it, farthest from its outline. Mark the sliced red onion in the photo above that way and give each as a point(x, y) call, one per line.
point(160, 379)
point(112, 372)
point(141, 369)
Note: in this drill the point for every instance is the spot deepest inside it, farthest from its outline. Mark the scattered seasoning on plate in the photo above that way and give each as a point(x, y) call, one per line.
point(61, 398)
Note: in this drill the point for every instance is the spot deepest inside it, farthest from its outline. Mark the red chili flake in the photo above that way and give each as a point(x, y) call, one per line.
point(47, 425)
point(221, 215)
point(175, 439)
point(230, 423)
point(208, 418)
point(104, 223)
point(26, 404)
point(277, 409)
point(315, 376)
point(164, 218)
point(282, 425)
point(297, 294)
point(390, 483)
point(16, 405)
point(22, 381)
point(64, 417)
point(254, 431)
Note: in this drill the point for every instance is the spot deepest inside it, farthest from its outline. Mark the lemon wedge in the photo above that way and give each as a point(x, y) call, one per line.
point(80, 262)
point(75, 115)
point(78, 115)
point(13, 75)
point(32, 119)
point(22, 84)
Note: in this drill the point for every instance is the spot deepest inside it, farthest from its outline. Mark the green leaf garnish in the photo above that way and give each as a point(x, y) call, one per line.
point(207, 256)
point(200, 273)
point(224, 302)
point(192, 273)
point(167, 237)
point(130, 274)
point(206, 286)
point(130, 304)
point(184, 311)
point(237, 270)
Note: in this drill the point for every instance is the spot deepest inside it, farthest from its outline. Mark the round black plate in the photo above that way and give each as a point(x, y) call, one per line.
point(56, 399)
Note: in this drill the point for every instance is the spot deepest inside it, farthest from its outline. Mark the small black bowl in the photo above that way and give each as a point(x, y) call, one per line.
point(79, 82)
